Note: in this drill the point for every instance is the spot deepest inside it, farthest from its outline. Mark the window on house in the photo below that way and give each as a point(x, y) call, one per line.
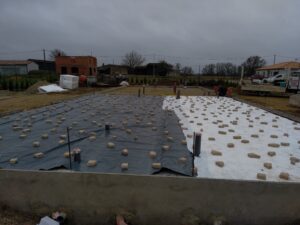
point(64, 70)
point(74, 70)
point(91, 71)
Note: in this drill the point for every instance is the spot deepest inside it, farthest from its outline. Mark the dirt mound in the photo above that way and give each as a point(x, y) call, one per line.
point(34, 88)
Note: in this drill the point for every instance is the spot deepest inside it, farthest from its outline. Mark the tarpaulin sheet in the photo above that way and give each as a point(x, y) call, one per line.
point(137, 124)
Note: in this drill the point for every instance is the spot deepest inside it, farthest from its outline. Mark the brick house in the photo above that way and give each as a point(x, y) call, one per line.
point(76, 65)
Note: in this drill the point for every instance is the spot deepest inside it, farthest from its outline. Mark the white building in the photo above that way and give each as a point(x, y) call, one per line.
point(17, 67)
point(282, 68)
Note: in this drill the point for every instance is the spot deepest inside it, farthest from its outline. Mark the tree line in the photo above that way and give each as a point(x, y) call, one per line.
point(226, 69)
point(134, 61)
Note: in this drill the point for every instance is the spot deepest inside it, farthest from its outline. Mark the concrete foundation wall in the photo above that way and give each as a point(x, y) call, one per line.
point(95, 198)
point(295, 100)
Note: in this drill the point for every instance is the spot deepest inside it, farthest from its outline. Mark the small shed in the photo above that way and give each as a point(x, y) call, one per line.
point(17, 67)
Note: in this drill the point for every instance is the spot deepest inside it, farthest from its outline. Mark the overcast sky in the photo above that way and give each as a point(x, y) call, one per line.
point(191, 32)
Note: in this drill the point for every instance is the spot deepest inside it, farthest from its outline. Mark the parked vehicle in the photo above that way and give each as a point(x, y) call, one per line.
point(276, 79)
point(293, 84)
point(257, 78)
point(289, 82)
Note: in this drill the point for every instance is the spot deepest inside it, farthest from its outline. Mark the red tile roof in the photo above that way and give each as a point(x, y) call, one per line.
point(283, 65)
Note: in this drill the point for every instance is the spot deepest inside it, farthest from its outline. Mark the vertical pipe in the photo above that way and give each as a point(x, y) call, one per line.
point(178, 94)
point(44, 55)
point(197, 144)
point(69, 146)
point(174, 87)
point(193, 155)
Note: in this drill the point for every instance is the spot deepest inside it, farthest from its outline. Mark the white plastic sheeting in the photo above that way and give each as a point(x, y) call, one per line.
point(220, 119)
point(50, 88)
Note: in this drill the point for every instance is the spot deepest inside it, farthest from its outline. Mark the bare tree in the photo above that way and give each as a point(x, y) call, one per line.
point(133, 59)
point(209, 69)
point(252, 63)
point(187, 70)
point(56, 52)
point(225, 69)
point(178, 66)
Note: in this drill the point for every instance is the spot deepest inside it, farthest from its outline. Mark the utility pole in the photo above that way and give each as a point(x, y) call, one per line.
point(153, 71)
point(274, 59)
point(242, 76)
point(44, 54)
point(199, 75)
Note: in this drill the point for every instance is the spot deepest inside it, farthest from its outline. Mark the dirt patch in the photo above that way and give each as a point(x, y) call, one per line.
point(273, 103)
point(12, 217)
point(34, 88)
point(162, 91)
point(19, 101)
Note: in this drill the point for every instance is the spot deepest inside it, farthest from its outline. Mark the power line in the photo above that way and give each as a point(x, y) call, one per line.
point(19, 52)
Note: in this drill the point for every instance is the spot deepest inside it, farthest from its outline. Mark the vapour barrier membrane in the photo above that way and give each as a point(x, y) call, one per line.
point(138, 124)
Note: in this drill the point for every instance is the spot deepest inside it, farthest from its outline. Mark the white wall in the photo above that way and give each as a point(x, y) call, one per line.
point(32, 66)
point(271, 72)
point(13, 69)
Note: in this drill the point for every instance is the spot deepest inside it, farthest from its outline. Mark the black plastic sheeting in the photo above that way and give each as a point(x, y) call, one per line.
point(86, 117)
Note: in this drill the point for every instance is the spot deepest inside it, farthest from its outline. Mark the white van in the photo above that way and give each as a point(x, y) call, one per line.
point(276, 79)
point(293, 84)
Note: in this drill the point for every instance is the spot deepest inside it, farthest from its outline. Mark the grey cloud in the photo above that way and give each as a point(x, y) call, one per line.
point(187, 31)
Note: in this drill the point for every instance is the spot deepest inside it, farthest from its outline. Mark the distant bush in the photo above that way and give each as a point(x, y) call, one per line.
point(19, 83)
point(43, 75)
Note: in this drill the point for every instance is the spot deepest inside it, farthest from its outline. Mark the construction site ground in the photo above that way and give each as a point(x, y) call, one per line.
point(18, 101)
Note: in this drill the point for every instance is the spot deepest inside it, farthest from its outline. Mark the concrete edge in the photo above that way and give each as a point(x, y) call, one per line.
point(157, 177)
